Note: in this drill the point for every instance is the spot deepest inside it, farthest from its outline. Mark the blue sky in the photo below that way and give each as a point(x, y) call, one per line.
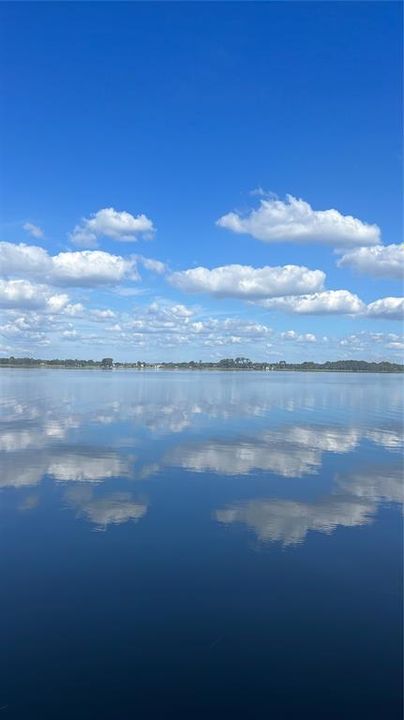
point(253, 149)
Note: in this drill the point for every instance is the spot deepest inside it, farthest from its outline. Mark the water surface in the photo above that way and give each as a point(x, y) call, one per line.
point(210, 545)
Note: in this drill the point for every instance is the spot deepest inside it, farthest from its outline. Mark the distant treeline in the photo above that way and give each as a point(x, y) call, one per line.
point(239, 363)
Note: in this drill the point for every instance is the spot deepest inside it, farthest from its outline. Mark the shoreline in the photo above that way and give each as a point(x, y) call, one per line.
point(371, 371)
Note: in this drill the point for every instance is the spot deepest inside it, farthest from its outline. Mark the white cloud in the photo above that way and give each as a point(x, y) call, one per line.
point(244, 281)
point(114, 224)
point(155, 266)
point(173, 325)
point(321, 303)
point(30, 260)
point(295, 337)
point(381, 261)
point(389, 308)
point(181, 311)
point(338, 302)
point(371, 344)
point(307, 338)
point(91, 267)
point(294, 220)
point(80, 268)
point(160, 324)
point(70, 334)
point(74, 309)
point(22, 293)
point(26, 327)
point(106, 314)
point(33, 230)
point(19, 293)
point(56, 303)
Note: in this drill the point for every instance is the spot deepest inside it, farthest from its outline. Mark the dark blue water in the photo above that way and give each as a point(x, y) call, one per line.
point(200, 545)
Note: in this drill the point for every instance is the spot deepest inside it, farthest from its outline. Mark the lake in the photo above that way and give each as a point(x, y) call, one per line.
point(200, 545)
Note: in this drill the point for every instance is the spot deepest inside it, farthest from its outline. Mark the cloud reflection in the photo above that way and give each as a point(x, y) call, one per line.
point(290, 451)
point(109, 509)
point(80, 433)
point(289, 521)
point(88, 466)
point(63, 465)
point(354, 503)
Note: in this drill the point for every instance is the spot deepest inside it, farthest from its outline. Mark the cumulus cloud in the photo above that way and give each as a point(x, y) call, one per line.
point(19, 293)
point(337, 302)
point(162, 323)
point(294, 220)
point(320, 303)
point(389, 308)
point(33, 230)
point(114, 224)
point(300, 338)
point(22, 293)
point(91, 267)
point(372, 344)
point(380, 261)
point(175, 325)
point(30, 260)
point(244, 281)
point(80, 268)
point(105, 314)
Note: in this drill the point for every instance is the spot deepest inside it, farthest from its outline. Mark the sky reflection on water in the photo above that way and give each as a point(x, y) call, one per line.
point(218, 499)
point(223, 424)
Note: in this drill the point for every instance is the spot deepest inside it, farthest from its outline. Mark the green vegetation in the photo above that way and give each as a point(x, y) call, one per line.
point(238, 363)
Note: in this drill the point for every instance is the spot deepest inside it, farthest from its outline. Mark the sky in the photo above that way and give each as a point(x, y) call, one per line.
point(201, 180)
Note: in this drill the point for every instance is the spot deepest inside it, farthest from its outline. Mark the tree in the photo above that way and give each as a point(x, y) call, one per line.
point(106, 362)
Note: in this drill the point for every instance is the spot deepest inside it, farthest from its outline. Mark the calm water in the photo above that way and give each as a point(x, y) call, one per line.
point(209, 545)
